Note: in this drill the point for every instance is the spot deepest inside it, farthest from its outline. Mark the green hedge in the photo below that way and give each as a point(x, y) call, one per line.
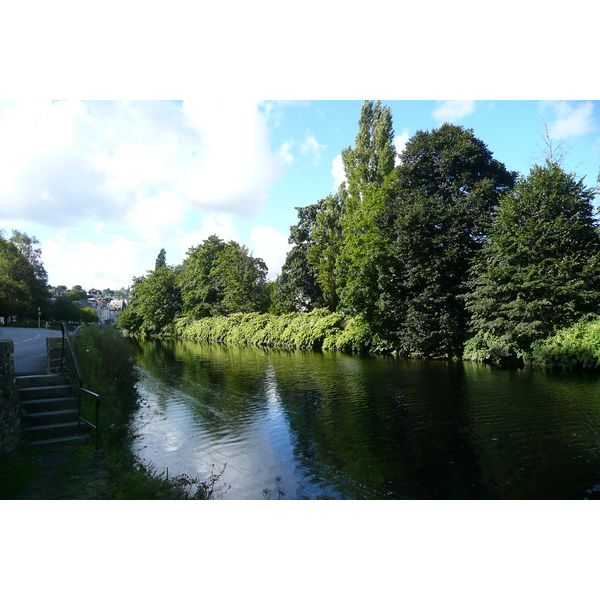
point(319, 329)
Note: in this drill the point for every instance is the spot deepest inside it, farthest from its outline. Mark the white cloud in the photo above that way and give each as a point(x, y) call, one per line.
point(337, 171)
point(69, 163)
point(284, 151)
point(453, 110)
point(102, 265)
point(572, 121)
point(270, 245)
point(156, 219)
point(399, 142)
point(220, 225)
point(311, 147)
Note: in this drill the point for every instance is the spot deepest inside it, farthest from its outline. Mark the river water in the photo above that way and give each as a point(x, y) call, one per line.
point(297, 425)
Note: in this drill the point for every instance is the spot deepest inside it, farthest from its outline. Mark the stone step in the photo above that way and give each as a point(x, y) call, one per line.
point(55, 430)
point(48, 404)
point(50, 416)
point(33, 381)
point(68, 440)
point(46, 391)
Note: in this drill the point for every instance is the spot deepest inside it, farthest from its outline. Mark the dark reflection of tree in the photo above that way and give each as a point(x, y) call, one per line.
point(538, 434)
point(441, 455)
point(396, 429)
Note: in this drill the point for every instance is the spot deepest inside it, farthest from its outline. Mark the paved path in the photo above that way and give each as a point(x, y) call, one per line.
point(30, 348)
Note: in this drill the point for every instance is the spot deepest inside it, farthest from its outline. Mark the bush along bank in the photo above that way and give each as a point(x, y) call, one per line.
point(319, 329)
point(108, 364)
point(571, 348)
point(575, 348)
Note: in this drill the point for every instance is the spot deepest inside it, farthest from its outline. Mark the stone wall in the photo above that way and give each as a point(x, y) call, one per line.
point(54, 352)
point(10, 422)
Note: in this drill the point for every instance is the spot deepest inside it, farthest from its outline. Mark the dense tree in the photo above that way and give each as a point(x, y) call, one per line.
point(297, 286)
point(220, 277)
point(29, 248)
point(448, 186)
point(364, 261)
point(322, 254)
point(161, 259)
point(240, 280)
point(199, 291)
point(155, 303)
point(15, 297)
point(23, 279)
point(540, 270)
point(65, 309)
point(75, 293)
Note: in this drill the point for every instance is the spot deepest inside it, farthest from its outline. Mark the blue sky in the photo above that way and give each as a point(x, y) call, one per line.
point(105, 185)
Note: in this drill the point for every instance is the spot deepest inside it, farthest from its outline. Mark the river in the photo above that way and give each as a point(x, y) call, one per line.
point(307, 425)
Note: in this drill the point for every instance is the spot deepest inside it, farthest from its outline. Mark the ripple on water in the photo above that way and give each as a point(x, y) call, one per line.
point(355, 427)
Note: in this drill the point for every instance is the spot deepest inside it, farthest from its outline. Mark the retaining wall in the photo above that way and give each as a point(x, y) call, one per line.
point(10, 421)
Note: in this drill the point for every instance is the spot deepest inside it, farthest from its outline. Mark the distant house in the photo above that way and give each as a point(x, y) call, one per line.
point(117, 305)
point(108, 310)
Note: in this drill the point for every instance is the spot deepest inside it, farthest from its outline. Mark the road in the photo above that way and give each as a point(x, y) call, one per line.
point(30, 348)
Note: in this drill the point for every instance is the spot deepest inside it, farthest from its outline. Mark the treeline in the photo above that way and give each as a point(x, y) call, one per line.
point(439, 251)
point(23, 278)
point(216, 278)
point(24, 285)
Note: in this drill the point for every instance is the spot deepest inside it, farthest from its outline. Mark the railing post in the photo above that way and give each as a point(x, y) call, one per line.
point(97, 424)
point(79, 407)
point(62, 354)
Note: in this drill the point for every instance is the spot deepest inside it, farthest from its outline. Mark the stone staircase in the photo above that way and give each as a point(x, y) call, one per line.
point(51, 414)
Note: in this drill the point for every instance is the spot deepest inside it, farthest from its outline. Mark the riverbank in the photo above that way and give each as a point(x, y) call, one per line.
point(573, 348)
point(114, 472)
point(80, 473)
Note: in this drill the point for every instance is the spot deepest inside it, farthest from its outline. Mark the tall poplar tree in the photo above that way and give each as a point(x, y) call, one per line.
point(365, 194)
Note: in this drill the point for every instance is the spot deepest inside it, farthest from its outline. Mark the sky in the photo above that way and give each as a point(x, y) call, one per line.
point(104, 185)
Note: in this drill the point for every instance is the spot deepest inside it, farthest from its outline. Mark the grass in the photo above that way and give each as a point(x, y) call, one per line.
point(81, 473)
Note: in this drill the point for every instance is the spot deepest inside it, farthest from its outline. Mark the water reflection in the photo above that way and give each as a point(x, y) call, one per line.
point(367, 427)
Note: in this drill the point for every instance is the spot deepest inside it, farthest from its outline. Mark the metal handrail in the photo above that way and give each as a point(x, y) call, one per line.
point(66, 335)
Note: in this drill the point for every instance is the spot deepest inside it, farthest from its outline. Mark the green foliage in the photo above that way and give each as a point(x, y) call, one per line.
point(22, 276)
point(322, 254)
point(297, 285)
point(363, 255)
point(155, 303)
point(108, 365)
point(220, 277)
point(448, 185)
point(89, 315)
point(373, 156)
point(240, 279)
point(161, 259)
point(364, 261)
point(570, 348)
point(199, 291)
point(64, 309)
point(76, 293)
point(540, 270)
point(318, 329)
